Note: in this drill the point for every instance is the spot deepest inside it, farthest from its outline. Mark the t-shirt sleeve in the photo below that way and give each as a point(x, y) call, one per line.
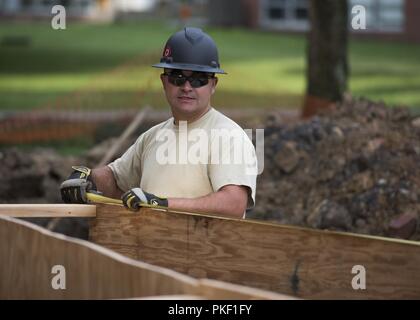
point(234, 161)
point(127, 168)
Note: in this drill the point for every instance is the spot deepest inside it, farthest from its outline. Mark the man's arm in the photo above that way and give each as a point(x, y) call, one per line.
point(105, 182)
point(230, 200)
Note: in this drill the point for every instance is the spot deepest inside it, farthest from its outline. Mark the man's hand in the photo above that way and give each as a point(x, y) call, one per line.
point(133, 199)
point(73, 190)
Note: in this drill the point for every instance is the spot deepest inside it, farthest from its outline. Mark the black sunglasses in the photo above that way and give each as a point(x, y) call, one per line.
point(196, 79)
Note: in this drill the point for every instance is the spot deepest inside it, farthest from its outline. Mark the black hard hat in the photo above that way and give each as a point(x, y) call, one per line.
point(190, 49)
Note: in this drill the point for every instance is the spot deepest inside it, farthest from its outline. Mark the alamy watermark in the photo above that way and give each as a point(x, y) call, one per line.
point(358, 21)
point(359, 280)
point(214, 147)
point(58, 282)
point(59, 20)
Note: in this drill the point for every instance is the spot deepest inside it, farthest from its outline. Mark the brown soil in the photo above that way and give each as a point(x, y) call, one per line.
point(354, 169)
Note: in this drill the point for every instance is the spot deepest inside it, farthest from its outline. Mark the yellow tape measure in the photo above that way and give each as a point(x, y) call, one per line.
point(97, 198)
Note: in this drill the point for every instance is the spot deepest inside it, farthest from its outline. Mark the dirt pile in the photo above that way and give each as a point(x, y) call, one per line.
point(34, 177)
point(354, 169)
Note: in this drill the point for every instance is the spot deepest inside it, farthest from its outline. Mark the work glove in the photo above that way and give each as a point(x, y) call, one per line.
point(73, 190)
point(135, 198)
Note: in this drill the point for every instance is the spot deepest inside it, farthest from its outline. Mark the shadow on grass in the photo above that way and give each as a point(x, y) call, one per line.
point(392, 90)
point(124, 99)
point(364, 73)
point(59, 100)
point(44, 60)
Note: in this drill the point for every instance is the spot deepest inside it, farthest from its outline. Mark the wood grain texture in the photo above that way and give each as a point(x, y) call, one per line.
point(28, 253)
point(295, 261)
point(47, 210)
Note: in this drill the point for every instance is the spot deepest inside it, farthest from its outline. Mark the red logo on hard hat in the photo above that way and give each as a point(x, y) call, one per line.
point(167, 52)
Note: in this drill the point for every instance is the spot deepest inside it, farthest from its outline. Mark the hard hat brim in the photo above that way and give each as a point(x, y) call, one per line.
point(187, 66)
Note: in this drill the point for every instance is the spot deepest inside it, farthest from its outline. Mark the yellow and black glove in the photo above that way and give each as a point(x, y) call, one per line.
point(73, 190)
point(135, 198)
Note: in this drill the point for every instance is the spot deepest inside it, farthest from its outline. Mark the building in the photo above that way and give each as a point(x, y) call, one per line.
point(387, 19)
point(98, 10)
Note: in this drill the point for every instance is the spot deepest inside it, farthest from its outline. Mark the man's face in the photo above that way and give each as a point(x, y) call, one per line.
point(188, 101)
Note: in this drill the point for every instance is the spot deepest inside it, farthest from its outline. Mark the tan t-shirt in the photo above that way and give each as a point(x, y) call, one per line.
point(189, 160)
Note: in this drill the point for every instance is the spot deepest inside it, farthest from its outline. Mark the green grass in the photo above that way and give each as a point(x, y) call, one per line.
point(108, 66)
point(72, 67)
point(71, 147)
point(386, 71)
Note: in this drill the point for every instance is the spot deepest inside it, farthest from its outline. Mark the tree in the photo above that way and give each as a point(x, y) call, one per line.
point(327, 66)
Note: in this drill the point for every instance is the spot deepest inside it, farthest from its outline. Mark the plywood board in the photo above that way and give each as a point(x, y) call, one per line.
point(301, 262)
point(29, 253)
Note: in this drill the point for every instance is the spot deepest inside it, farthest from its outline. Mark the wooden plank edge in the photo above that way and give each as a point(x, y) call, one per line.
point(47, 210)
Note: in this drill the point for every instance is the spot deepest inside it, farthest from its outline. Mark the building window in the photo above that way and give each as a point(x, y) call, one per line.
point(276, 13)
point(301, 10)
point(285, 14)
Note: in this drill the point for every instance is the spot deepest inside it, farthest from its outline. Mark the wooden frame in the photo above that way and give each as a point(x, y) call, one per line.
point(300, 262)
point(28, 253)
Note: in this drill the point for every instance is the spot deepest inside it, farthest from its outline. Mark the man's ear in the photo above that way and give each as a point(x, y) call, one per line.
point(162, 79)
point(213, 89)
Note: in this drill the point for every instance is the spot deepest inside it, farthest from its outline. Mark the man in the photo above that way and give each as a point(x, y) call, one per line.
point(181, 163)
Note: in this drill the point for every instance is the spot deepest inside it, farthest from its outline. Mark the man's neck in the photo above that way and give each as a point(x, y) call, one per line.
point(190, 118)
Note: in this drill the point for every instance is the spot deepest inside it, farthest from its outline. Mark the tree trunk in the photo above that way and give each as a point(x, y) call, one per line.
point(327, 67)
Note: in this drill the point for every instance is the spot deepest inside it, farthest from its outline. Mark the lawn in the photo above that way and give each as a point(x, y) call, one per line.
point(108, 66)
